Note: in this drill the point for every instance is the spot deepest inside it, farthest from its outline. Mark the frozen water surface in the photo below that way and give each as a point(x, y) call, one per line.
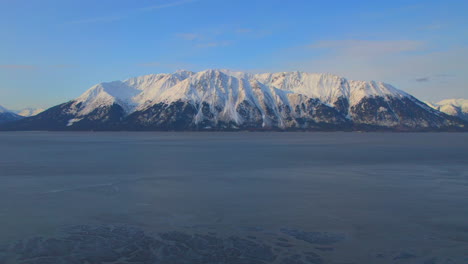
point(287, 198)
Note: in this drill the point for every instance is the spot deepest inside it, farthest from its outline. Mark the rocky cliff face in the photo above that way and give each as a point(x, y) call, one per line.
point(225, 100)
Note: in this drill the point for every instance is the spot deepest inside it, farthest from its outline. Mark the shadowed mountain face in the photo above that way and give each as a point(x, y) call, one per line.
point(8, 116)
point(225, 100)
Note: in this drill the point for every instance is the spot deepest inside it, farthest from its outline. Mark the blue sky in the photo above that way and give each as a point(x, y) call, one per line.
point(51, 51)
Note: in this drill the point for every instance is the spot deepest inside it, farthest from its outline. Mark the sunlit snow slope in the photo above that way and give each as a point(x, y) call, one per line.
point(227, 100)
point(453, 107)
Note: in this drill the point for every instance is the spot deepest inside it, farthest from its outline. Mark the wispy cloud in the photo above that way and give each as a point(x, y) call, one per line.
point(244, 30)
point(220, 37)
point(363, 59)
point(189, 36)
point(34, 67)
point(399, 62)
point(104, 19)
point(113, 18)
point(392, 12)
point(150, 64)
point(206, 40)
point(444, 75)
point(368, 48)
point(433, 26)
point(435, 77)
point(170, 66)
point(423, 79)
point(252, 33)
point(166, 5)
point(214, 44)
point(64, 66)
point(18, 66)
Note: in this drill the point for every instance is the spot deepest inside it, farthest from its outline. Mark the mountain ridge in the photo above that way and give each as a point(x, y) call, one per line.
point(454, 107)
point(29, 111)
point(230, 100)
point(7, 116)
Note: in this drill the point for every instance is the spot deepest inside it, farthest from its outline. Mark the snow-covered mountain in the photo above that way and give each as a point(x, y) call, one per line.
point(3, 109)
point(7, 115)
point(228, 100)
point(453, 107)
point(27, 112)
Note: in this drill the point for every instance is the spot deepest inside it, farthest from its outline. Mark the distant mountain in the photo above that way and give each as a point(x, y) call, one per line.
point(27, 112)
point(453, 107)
point(226, 100)
point(8, 116)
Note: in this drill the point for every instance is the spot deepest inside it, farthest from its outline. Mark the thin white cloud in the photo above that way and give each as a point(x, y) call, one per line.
point(189, 36)
point(167, 5)
point(150, 64)
point(252, 33)
point(434, 27)
point(444, 75)
point(34, 67)
point(399, 62)
point(214, 44)
point(17, 66)
point(441, 77)
point(368, 48)
point(244, 30)
point(104, 19)
point(423, 79)
point(64, 66)
point(220, 36)
point(113, 18)
point(206, 40)
point(170, 66)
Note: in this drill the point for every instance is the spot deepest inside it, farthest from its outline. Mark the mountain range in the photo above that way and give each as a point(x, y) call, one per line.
point(11, 115)
point(8, 116)
point(27, 112)
point(453, 107)
point(228, 100)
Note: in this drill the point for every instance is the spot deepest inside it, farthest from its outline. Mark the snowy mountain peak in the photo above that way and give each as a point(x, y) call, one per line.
point(184, 72)
point(226, 87)
point(26, 112)
point(462, 103)
point(362, 89)
point(3, 109)
point(7, 115)
point(106, 94)
point(453, 107)
point(326, 87)
point(233, 100)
